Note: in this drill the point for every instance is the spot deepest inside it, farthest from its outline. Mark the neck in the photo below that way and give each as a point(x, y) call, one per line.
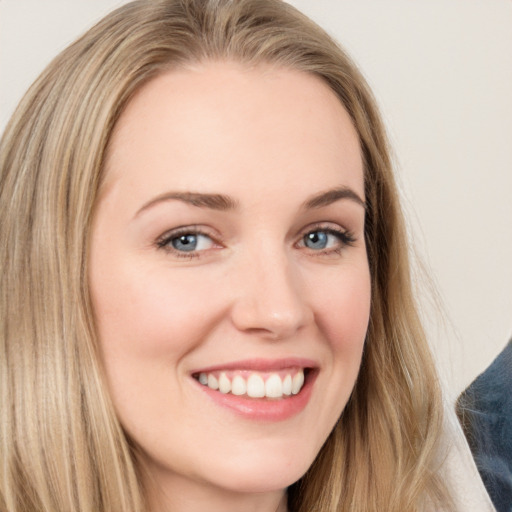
point(190, 496)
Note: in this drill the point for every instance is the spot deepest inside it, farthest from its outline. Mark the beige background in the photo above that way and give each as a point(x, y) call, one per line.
point(442, 73)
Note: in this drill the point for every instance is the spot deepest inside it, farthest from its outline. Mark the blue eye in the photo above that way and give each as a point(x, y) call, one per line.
point(316, 240)
point(321, 239)
point(187, 242)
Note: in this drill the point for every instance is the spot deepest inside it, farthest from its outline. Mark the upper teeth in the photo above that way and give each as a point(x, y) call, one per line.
point(255, 384)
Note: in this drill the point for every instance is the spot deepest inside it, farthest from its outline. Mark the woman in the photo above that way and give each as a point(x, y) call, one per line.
point(206, 298)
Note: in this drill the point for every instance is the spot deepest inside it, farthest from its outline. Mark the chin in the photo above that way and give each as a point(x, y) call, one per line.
point(262, 475)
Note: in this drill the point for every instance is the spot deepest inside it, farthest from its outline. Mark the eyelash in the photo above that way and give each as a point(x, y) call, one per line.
point(346, 239)
point(164, 241)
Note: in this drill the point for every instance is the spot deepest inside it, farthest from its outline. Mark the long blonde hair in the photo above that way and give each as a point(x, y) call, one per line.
point(62, 448)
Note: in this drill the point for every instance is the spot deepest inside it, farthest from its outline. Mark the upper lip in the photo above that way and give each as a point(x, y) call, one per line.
point(261, 365)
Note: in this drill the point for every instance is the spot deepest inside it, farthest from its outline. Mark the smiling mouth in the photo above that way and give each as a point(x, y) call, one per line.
point(255, 384)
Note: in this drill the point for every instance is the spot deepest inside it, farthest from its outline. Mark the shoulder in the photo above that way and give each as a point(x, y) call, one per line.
point(485, 410)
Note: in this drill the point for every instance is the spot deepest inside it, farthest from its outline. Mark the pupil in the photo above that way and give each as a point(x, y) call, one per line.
point(316, 240)
point(185, 243)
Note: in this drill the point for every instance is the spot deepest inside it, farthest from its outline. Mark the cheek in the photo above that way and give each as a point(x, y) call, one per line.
point(342, 314)
point(141, 313)
point(147, 324)
point(344, 308)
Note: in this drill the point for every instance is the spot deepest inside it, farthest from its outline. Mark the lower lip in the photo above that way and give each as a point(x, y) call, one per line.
point(264, 409)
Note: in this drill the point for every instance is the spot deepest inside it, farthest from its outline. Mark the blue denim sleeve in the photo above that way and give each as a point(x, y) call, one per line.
point(485, 411)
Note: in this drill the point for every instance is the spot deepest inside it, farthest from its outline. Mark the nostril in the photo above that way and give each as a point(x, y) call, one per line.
point(271, 318)
point(267, 298)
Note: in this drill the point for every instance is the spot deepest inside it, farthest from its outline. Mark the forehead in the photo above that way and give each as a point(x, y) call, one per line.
point(220, 124)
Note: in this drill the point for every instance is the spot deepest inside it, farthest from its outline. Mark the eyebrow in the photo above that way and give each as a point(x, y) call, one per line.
point(331, 196)
point(218, 202)
point(221, 202)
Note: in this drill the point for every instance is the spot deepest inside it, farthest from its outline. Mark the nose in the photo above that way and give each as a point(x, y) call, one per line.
point(268, 299)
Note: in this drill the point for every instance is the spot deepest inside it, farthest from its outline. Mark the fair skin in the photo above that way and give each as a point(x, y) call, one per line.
point(228, 244)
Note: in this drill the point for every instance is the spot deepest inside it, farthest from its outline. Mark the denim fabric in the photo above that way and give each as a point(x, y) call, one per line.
point(485, 410)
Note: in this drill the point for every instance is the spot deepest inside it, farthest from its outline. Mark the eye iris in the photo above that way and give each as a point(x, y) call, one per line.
point(316, 240)
point(185, 243)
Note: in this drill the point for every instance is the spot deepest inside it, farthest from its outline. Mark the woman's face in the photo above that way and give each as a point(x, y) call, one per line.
point(227, 252)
